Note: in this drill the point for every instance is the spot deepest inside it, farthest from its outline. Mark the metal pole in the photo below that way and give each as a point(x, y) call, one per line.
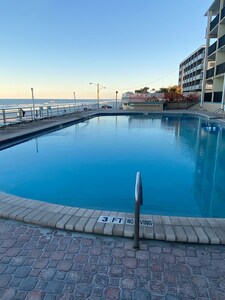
point(138, 202)
point(4, 116)
point(74, 97)
point(98, 89)
point(33, 113)
point(116, 98)
point(98, 94)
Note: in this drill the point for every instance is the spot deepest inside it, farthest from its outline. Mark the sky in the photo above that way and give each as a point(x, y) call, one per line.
point(59, 46)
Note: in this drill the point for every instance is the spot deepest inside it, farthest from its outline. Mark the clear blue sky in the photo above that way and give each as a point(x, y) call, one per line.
point(59, 46)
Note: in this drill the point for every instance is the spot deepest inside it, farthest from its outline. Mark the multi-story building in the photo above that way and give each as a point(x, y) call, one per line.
point(191, 72)
point(214, 67)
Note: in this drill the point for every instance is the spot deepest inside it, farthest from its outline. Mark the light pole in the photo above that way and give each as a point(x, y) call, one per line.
point(116, 98)
point(99, 87)
point(74, 97)
point(32, 94)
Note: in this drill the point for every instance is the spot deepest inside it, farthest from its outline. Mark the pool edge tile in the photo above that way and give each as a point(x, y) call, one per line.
point(171, 229)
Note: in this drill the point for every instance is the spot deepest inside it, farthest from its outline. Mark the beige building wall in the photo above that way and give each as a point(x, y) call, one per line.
point(215, 56)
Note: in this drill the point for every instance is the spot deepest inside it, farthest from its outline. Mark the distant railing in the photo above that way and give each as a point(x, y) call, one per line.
point(16, 115)
point(138, 203)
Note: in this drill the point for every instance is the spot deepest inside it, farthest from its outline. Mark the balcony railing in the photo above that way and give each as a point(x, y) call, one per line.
point(201, 66)
point(214, 22)
point(217, 97)
point(198, 87)
point(222, 41)
point(197, 77)
point(222, 13)
point(220, 69)
point(212, 48)
point(210, 73)
point(208, 97)
point(201, 56)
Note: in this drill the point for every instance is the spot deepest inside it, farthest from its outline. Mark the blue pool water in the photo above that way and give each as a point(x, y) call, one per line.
point(93, 164)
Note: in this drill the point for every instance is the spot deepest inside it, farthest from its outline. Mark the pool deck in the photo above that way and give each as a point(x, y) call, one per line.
point(38, 263)
point(164, 228)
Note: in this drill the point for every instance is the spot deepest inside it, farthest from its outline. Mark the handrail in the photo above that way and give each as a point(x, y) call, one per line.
point(138, 202)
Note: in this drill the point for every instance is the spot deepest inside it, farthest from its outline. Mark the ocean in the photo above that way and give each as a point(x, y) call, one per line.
point(23, 103)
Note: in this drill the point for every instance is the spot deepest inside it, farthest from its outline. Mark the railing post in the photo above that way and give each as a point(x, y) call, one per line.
point(3, 116)
point(20, 113)
point(41, 111)
point(138, 202)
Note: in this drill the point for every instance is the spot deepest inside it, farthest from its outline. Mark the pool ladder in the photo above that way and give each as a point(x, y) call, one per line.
point(138, 203)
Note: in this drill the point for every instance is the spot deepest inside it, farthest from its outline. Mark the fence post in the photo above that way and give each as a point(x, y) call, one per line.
point(3, 115)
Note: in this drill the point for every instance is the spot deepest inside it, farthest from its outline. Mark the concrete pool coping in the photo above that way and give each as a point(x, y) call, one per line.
point(179, 229)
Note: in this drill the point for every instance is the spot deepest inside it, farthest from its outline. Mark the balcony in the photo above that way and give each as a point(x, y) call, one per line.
point(217, 97)
point(212, 48)
point(222, 13)
point(220, 69)
point(222, 41)
point(201, 56)
point(198, 87)
point(198, 77)
point(200, 67)
point(214, 22)
point(208, 97)
point(210, 73)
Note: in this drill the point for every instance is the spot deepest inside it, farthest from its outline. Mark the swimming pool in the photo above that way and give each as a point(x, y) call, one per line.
point(93, 164)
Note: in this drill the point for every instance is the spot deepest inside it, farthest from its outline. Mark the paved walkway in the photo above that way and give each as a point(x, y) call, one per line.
point(40, 263)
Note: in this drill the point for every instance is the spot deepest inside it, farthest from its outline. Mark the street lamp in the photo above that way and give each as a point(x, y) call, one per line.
point(74, 97)
point(116, 98)
point(32, 93)
point(99, 87)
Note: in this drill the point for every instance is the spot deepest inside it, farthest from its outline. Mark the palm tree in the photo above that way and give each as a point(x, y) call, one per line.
point(142, 91)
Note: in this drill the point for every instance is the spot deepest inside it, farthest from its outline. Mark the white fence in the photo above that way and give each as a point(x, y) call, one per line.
point(16, 115)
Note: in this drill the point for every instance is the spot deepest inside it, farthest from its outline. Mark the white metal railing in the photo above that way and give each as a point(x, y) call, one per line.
point(138, 203)
point(21, 114)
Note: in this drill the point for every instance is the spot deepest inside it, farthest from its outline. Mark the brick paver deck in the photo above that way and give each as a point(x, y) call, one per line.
point(42, 263)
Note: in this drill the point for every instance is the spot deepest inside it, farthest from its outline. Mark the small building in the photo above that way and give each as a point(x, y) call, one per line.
point(144, 106)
